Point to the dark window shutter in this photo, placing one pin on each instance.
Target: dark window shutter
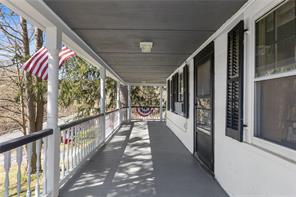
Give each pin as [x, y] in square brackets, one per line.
[235, 73]
[172, 94]
[186, 90]
[168, 95]
[176, 87]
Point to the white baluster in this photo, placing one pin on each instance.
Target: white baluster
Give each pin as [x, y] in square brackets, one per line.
[93, 134]
[37, 184]
[68, 149]
[86, 137]
[80, 143]
[71, 146]
[19, 159]
[75, 145]
[45, 140]
[7, 165]
[29, 169]
[63, 154]
[83, 139]
[89, 130]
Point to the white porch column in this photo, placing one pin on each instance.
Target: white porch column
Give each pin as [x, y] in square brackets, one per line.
[53, 44]
[129, 103]
[160, 104]
[118, 103]
[102, 99]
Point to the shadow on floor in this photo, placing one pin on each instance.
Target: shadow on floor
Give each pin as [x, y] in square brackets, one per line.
[144, 159]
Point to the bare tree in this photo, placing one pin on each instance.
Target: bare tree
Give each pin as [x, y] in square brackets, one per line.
[24, 98]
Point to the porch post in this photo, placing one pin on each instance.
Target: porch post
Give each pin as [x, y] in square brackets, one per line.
[160, 104]
[129, 103]
[102, 99]
[53, 44]
[118, 100]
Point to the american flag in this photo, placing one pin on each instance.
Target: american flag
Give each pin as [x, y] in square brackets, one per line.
[38, 63]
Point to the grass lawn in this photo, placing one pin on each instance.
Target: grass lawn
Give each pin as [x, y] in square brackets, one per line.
[13, 181]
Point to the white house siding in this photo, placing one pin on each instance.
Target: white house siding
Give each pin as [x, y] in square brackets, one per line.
[182, 127]
[242, 169]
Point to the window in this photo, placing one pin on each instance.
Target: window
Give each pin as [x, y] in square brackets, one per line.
[172, 108]
[234, 91]
[181, 88]
[275, 41]
[275, 96]
[186, 91]
[174, 91]
[168, 95]
[179, 99]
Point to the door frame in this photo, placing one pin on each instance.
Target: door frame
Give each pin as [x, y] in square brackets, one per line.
[208, 50]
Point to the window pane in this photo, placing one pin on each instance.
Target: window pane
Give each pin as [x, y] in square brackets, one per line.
[275, 41]
[285, 20]
[203, 78]
[203, 119]
[276, 110]
[286, 55]
[181, 87]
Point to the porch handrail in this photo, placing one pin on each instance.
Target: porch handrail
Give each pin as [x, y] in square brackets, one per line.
[13, 157]
[79, 121]
[23, 140]
[151, 106]
[109, 112]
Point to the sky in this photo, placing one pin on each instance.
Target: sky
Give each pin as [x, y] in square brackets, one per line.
[13, 20]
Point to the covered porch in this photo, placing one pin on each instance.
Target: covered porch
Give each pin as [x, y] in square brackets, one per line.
[90, 156]
[144, 158]
[182, 149]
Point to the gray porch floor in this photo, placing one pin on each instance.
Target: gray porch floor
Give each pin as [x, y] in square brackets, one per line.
[143, 159]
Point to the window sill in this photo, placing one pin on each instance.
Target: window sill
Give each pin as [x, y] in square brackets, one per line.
[179, 114]
[275, 149]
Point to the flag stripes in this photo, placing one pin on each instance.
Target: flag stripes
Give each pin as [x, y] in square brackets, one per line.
[38, 64]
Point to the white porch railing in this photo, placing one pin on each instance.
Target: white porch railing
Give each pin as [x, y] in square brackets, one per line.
[112, 122]
[16, 158]
[79, 139]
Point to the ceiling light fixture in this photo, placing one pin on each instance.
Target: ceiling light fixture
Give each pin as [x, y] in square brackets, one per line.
[146, 47]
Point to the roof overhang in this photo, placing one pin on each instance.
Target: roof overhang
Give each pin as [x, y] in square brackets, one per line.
[39, 14]
[108, 33]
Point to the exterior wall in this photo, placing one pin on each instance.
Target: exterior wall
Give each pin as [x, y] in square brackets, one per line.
[244, 169]
[182, 127]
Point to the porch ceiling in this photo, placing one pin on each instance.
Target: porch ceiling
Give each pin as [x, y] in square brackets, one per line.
[114, 29]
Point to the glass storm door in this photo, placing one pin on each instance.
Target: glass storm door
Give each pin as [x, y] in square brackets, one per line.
[203, 124]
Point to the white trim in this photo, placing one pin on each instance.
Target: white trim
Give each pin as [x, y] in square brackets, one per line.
[273, 148]
[160, 103]
[204, 131]
[174, 123]
[179, 69]
[268, 146]
[19, 7]
[276, 76]
[147, 84]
